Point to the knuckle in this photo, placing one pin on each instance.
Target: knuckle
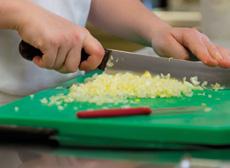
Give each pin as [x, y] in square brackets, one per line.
[71, 68]
[57, 66]
[209, 61]
[62, 39]
[190, 31]
[54, 42]
[205, 61]
[48, 61]
[48, 65]
[86, 31]
[40, 44]
[77, 36]
[194, 31]
[167, 38]
[99, 52]
[57, 41]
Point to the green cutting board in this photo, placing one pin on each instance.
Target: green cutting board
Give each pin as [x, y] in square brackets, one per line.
[198, 127]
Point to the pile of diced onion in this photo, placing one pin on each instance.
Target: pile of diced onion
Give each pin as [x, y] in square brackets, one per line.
[119, 87]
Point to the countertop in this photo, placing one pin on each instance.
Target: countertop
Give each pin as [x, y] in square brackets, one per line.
[37, 156]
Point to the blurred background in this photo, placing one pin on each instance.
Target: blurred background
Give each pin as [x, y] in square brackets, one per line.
[210, 16]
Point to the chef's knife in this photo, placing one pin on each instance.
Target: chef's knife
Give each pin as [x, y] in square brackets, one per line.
[176, 68]
[157, 65]
[29, 52]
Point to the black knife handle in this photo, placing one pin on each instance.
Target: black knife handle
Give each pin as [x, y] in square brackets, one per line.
[192, 57]
[29, 52]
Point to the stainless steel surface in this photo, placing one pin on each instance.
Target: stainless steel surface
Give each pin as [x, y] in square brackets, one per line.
[177, 68]
[203, 163]
[16, 155]
[29, 156]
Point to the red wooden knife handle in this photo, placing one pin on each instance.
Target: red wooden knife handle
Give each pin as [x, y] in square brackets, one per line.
[118, 112]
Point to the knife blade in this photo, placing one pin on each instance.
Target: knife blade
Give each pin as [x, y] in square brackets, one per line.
[127, 61]
[134, 111]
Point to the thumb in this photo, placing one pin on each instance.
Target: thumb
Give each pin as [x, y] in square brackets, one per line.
[95, 51]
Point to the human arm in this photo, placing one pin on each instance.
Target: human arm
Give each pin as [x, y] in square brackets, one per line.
[60, 40]
[131, 20]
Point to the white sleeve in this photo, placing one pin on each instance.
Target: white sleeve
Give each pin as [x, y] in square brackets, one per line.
[74, 10]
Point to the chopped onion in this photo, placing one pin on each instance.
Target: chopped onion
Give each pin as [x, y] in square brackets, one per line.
[115, 88]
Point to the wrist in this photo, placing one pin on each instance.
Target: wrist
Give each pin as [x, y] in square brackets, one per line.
[24, 9]
[158, 29]
[154, 27]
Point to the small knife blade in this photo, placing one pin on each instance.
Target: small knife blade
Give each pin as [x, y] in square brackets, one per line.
[134, 111]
